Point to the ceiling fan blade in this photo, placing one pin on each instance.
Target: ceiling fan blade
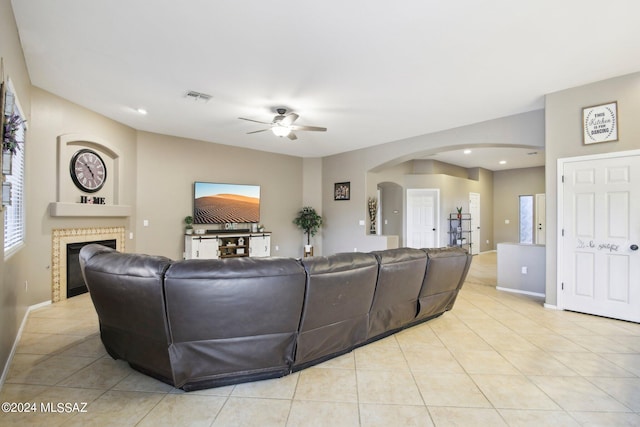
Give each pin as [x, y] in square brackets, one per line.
[255, 121]
[289, 119]
[292, 136]
[256, 131]
[313, 128]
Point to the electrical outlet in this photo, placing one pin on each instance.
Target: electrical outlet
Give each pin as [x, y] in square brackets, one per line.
[277, 248]
[26, 286]
[524, 269]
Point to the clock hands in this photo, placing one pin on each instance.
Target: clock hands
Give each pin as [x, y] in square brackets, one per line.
[90, 171]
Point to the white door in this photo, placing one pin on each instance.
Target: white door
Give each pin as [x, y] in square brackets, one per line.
[601, 224]
[540, 219]
[474, 213]
[422, 218]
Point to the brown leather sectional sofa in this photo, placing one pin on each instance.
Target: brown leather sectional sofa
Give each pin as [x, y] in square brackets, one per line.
[205, 323]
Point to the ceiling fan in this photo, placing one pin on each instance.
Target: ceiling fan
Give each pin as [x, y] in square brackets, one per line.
[282, 125]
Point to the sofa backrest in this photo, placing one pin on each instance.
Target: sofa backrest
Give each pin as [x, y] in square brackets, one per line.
[339, 294]
[447, 269]
[400, 276]
[238, 315]
[127, 293]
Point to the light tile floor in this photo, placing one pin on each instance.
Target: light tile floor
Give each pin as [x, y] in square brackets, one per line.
[495, 359]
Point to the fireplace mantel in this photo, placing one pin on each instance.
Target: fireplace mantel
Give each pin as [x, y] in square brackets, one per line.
[62, 209]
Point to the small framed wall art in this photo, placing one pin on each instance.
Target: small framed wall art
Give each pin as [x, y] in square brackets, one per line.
[600, 123]
[342, 191]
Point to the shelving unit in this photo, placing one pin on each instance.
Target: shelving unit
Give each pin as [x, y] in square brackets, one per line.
[234, 246]
[227, 245]
[460, 230]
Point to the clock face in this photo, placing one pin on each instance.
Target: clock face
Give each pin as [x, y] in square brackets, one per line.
[88, 170]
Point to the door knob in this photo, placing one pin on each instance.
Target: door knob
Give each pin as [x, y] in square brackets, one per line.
[634, 247]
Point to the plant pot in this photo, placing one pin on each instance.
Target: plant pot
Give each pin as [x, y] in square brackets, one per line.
[189, 231]
[307, 248]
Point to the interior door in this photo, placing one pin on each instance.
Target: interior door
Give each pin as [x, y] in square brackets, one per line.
[422, 218]
[601, 225]
[474, 213]
[540, 219]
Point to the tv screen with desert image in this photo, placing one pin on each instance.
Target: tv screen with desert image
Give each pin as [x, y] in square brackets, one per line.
[216, 203]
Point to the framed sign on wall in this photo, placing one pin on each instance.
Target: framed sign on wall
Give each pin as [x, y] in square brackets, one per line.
[600, 123]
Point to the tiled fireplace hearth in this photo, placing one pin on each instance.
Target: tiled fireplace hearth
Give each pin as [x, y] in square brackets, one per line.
[61, 238]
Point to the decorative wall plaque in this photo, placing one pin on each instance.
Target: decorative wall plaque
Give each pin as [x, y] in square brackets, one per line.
[600, 123]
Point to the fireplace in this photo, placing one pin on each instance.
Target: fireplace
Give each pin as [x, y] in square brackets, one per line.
[61, 239]
[75, 281]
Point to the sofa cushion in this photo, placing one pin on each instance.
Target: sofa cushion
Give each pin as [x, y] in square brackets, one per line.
[400, 278]
[447, 269]
[233, 319]
[127, 293]
[335, 317]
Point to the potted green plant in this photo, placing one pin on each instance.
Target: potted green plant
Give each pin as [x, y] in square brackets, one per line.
[188, 220]
[309, 221]
[459, 209]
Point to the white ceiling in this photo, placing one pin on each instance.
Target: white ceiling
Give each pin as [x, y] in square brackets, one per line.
[370, 71]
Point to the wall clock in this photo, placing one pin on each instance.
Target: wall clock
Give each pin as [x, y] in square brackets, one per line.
[88, 170]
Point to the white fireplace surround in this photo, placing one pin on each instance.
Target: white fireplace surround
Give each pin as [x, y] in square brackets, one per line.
[61, 238]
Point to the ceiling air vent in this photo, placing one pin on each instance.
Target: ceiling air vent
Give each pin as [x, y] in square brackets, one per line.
[198, 96]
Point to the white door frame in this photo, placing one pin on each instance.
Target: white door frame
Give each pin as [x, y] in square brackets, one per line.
[560, 210]
[437, 214]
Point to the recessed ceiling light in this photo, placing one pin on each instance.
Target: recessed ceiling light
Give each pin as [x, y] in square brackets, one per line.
[467, 151]
[142, 111]
[503, 162]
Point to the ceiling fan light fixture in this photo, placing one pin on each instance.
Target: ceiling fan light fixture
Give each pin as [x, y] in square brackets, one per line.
[280, 130]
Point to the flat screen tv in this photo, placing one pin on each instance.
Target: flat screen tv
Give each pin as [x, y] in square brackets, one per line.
[216, 203]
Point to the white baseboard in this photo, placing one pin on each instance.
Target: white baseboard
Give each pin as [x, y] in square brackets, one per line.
[518, 291]
[551, 306]
[7, 365]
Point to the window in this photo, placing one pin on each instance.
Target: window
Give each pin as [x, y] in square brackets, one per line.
[14, 214]
[526, 219]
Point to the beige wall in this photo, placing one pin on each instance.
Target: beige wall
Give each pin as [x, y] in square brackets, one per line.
[167, 167]
[312, 195]
[53, 116]
[563, 116]
[508, 186]
[342, 231]
[13, 271]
